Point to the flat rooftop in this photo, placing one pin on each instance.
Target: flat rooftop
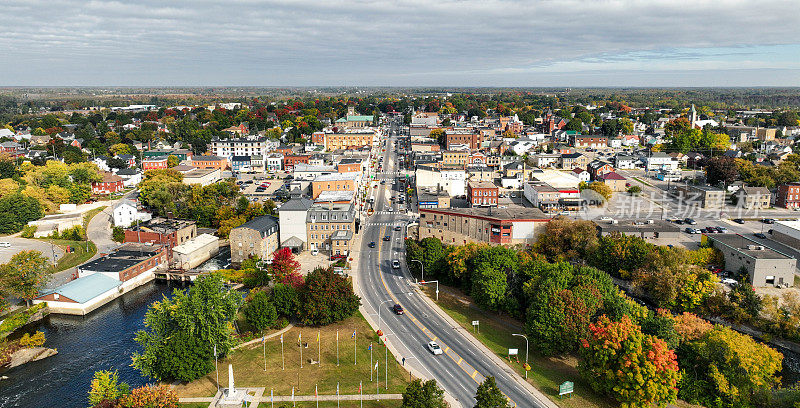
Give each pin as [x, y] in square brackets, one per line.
[336, 177]
[121, 259]
[194, 244]
[161, 225]
[741, 243]
[513, 212]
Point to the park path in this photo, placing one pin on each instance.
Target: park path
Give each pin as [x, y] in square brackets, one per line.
[267, 337]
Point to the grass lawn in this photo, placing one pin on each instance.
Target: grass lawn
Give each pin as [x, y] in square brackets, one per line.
[90, 214]
[642, 181]
[82, 251]
[248, 364]
[546, 372]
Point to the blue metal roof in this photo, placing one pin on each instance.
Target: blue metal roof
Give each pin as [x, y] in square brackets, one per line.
[87, 288]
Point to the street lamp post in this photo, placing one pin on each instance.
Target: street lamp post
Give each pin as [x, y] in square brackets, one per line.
[526, 351]
[421, 267]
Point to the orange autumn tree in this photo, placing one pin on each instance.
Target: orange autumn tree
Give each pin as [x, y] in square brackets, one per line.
[637, 369]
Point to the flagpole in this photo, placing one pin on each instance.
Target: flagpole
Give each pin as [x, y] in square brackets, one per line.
[293, 403]
[271, 398]
[216, 367]
[316, 395]
[300, 339]
[264, 344]
[377, 388]
[355, 356]
[337, 394]
[361, 393]
[386, 365]
[370, 361]
[319, 351]
[283, 360]
[337, 348]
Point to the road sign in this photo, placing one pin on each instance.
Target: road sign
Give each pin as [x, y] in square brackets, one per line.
[475, 322]
[513, 352]
[567, 387]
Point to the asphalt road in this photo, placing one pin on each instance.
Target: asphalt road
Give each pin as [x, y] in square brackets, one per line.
[462, 366]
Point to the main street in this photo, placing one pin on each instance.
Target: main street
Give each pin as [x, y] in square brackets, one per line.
[463, 365]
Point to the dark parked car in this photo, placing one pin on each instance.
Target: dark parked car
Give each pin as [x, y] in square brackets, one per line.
[738, 220]
[760, 235]
[398, 310]
[397, 228]
[387, 238]
[371, 244]
[768, 220]
[679, 222]
[690, 221]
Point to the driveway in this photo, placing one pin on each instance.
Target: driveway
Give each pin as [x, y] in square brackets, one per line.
[99, 230]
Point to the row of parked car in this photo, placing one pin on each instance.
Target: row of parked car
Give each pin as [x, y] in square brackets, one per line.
[706, 230]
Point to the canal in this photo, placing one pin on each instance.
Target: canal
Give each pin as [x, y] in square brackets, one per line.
[103, 340]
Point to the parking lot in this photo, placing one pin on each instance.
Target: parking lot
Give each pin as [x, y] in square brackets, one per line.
[22, 244]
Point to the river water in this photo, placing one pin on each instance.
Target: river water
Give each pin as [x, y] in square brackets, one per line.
[103, 340]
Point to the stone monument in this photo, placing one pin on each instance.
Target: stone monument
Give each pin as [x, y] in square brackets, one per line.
[231, 397]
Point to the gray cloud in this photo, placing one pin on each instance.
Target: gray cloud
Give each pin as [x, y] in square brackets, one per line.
[381, 42]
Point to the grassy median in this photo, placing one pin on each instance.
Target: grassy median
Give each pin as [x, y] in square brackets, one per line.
[248, 364]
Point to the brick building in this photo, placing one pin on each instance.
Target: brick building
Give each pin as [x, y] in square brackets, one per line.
[257, 238]
[162, 231]
[111, 183]
[506, 226]
[482, 193]
[788, 196]
[154, 163]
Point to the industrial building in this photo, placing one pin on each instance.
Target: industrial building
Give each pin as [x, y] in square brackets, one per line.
[195, 251]
[765, 266]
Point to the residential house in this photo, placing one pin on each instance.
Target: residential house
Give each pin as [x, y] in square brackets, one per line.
[753, 198]
[613, 180]
[131, 177]
[624, 162]
[597, 168]
[109, 184]
[570, 161]
[582, 174]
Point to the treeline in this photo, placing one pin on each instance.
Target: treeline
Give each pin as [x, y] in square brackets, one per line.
[562, 289]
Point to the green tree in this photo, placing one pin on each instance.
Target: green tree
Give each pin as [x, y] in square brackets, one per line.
[259, 311]
[636, 369]
[619, 252]
[182, 332]
[492, 265]
[16, 210]
[118, 234]
[26, 274]
[423, 395]
[106, 387]
[440, 136]
[173, 161]
[326, 298]
[489, 395]
[601, 188]
[284, 297]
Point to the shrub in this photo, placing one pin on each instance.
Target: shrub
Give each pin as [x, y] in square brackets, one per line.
[326, 298]
[28, 341]
[150, 396]
[118, 234]
[28, 231]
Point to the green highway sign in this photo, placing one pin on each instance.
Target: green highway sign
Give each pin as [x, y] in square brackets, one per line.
[566, 387]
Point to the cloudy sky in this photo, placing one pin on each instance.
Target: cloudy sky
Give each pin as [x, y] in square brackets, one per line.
[400, 42]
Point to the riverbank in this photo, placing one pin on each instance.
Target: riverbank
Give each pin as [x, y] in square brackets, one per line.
[103, 340]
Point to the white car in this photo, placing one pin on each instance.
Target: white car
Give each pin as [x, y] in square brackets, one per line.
[395, 264]
[390, 209]
[606, 218]
[730, 282]
[434, 348]
[314, 252]
[5, 245]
